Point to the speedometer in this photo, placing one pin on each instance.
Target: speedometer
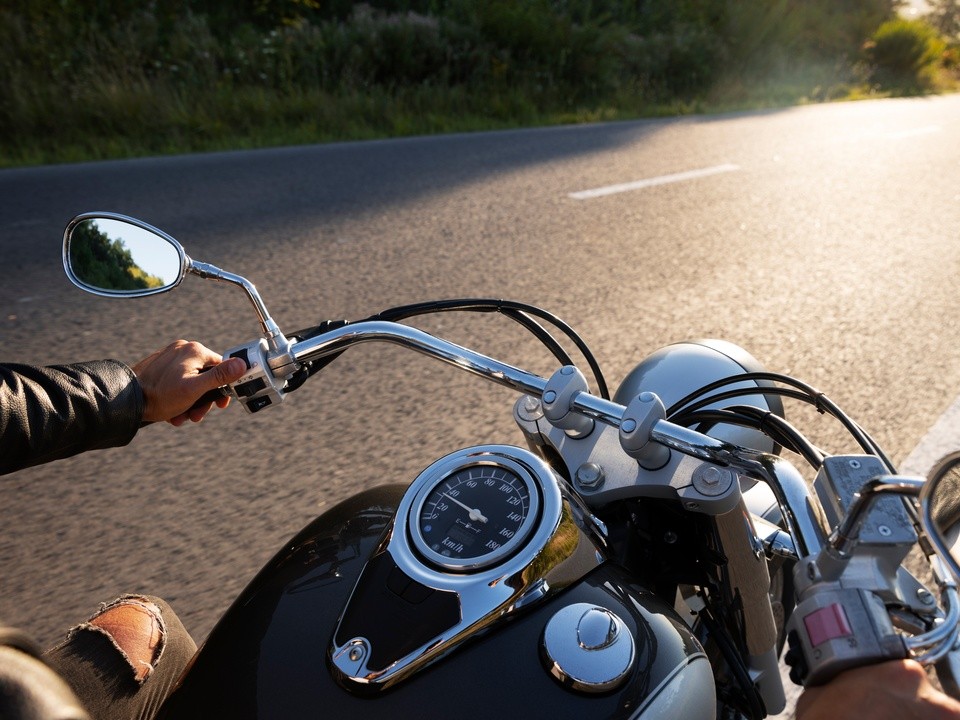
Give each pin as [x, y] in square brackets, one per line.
[473, 516]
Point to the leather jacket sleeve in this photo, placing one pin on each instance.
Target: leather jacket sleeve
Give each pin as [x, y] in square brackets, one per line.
[48, 413]
[29, 688]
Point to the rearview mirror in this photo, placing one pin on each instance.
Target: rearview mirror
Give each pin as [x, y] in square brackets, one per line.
[114, 255]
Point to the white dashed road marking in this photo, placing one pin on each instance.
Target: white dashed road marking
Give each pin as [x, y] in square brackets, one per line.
[651, 182]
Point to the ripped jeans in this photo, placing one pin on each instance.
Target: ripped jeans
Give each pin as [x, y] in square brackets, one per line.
[124, 661]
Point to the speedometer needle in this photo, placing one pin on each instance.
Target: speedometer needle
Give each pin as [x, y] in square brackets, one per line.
[475, 514]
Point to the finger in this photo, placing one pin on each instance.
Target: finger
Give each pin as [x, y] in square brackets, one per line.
[204, 356]
[216, 376]
[198, 413]
[226, 372]
[223, 402]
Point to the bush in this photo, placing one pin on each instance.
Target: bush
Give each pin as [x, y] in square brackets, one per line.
[102, 78]
[904, 54]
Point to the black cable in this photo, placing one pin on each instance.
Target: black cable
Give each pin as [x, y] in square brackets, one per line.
[764, 417]
[770, 424]
[514, 310]
[808, 394]
[755, 709]
[738, 392]
[542, 334]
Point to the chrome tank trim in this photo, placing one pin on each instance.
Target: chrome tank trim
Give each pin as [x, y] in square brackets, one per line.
[559, 551]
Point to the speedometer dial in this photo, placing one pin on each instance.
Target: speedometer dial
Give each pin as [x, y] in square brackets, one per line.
[475, 516]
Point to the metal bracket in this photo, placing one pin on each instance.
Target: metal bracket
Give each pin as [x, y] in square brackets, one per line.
[641, 415]
[562, 388]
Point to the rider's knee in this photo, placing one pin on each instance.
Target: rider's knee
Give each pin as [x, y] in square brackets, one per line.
[135, 626]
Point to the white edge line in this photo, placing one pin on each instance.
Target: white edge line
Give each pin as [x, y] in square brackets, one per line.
[913, 133]
[651, 182]
[942, 438]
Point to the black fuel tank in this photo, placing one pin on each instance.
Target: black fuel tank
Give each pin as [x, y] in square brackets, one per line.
[267, 657]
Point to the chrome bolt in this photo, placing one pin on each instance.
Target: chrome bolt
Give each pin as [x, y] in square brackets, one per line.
[670, 537]
[711, 476]
[549, 396]
[884, 530]
[628, 426]
[529, 409]
[711, 481]
[566, 370]
[925, 596]
[355, 654]
[590, 476]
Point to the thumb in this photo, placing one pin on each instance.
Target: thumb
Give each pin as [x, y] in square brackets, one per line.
[226, 372]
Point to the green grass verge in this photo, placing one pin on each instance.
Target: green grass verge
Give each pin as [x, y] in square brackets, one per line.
[150, 121]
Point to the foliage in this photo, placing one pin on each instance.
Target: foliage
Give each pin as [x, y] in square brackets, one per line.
[945, 17]
[104, 263]
[100, 78]
[905, 53]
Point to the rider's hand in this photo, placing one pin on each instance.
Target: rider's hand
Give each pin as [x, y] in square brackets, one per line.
[898, 690]
[172, 381]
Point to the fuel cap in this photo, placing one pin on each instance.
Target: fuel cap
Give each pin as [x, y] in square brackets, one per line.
[588, 648]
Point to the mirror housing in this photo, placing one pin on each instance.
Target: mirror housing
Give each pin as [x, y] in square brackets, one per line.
[114, 255]
[118, 256]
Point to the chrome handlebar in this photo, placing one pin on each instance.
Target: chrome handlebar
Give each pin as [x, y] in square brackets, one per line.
[803, 514]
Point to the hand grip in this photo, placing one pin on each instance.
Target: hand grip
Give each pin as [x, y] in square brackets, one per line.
[211, 396]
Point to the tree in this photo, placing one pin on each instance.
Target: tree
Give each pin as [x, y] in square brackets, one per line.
[945, 17]
[104, 263]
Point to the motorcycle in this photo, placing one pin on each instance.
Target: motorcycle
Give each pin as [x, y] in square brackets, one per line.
[645, 555]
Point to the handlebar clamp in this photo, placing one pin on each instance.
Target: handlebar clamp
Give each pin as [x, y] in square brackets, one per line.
[558, 395]
[641, 414]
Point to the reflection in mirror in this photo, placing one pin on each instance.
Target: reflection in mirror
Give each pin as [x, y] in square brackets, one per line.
[944, 498]
[117, 257]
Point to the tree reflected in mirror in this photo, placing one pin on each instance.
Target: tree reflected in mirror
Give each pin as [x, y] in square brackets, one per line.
[946, 500]
[943, 498]
[113, 256]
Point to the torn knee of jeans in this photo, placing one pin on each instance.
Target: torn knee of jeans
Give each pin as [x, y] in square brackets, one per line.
[134, 625]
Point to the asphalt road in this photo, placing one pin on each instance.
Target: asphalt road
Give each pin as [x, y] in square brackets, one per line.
[824, 239]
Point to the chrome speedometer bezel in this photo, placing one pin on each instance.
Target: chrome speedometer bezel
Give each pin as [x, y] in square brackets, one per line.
[439, 473]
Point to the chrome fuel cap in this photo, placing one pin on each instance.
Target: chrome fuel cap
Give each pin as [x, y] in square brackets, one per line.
[588, 648]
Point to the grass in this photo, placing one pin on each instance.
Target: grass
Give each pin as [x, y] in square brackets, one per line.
[78, 85]
[151, 121]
